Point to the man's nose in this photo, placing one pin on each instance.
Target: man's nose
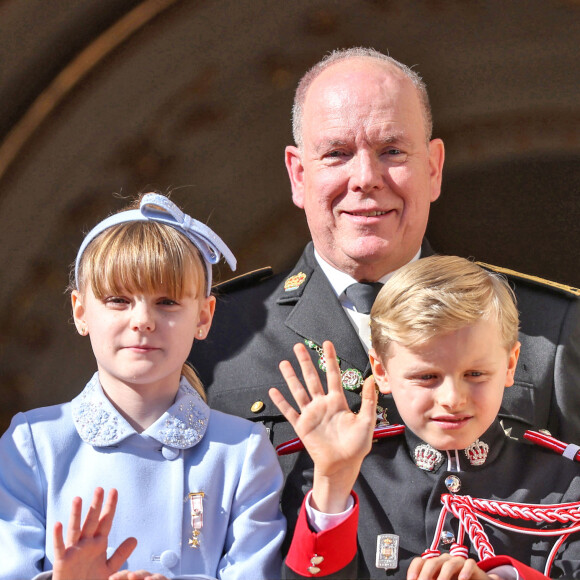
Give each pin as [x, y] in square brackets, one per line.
[367, 172]
[142, 317]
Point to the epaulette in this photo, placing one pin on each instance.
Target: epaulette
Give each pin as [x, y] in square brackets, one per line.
[243, 280]
[564, 288]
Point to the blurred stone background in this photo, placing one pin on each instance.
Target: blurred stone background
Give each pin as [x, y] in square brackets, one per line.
[103, 97]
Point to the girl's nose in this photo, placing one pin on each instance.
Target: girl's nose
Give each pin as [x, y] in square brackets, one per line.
[142, 318]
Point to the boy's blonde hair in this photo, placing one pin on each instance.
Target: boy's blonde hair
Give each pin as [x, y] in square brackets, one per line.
[143, 257]
[438, 295]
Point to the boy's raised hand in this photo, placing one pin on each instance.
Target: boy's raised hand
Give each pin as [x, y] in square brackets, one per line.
[84, 556]
[336, 438]
[447, 567]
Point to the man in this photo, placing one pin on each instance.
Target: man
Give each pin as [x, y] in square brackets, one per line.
[365, 170]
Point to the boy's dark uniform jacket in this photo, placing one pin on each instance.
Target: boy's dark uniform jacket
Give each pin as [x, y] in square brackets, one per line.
[258, 321]
[397, 497]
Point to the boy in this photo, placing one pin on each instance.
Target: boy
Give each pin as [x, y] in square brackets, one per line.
[444, 336]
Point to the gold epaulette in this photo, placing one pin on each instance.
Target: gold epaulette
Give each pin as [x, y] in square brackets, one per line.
[243, 280]
[534, 279]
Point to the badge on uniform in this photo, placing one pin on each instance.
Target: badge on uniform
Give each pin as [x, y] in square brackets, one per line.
[387, 551]
[294, 282]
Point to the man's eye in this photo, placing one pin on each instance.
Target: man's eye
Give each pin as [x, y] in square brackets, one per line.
[335, 154]
[394, 152]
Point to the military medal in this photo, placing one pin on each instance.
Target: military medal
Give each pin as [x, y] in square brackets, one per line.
[196, 502]
[351, 379]
[387, 551]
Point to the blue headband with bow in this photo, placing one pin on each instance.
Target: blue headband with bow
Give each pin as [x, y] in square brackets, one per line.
[158, 208]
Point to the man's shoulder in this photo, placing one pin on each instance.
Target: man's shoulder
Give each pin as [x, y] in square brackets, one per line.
[264, 281]
[534, 283]
[245, 281]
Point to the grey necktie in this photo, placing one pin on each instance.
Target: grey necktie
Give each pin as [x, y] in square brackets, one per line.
[363, 294]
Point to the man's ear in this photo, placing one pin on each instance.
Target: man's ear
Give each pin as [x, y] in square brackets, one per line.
[293, 158]
[436, 159]
[379, 372]
[512, 363]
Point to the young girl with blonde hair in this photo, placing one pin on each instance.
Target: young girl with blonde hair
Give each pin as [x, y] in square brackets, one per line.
[198, 489]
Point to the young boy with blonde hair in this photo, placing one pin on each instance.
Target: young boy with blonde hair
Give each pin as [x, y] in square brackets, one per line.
[451, 485]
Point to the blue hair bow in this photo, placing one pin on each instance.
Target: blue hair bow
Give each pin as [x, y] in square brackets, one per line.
[158, 208]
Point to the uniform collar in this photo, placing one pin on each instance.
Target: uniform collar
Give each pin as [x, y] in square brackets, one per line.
[457, 460]
[99, 424]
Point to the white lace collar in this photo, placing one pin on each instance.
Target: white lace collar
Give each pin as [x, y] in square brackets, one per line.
[99, 424]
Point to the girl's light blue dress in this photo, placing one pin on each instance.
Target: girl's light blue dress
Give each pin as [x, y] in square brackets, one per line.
[52, 454]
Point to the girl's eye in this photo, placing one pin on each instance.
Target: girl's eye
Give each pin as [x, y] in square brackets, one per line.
[116, 300]
[167, 302]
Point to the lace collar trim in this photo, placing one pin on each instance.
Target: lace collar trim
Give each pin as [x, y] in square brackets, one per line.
[99, 424]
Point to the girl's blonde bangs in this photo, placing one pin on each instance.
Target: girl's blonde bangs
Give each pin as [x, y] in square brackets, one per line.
[141, 257]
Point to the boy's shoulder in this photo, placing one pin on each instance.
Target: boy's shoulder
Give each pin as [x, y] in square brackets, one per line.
[521, 279]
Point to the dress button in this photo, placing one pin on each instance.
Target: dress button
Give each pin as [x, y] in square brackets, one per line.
[453, 483]
[169, 559]
[257, 407]
[170, 453]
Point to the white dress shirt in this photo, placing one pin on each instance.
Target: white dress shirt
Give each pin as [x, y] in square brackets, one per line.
[340, 282]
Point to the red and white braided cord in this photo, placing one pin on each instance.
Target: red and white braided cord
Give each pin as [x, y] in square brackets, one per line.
[468, 509]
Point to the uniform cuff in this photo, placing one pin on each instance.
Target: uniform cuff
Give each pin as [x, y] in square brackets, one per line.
[315, 554]
[319, 521]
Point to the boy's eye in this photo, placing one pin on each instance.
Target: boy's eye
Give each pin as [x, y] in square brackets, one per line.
[424, 378]
[475, 373]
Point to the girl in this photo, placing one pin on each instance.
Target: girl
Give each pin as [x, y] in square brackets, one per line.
[199, 489]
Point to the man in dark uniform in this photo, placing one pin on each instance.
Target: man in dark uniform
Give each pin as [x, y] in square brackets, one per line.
[365, 170]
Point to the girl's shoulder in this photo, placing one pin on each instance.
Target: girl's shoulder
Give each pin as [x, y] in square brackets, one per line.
[43, 418]
[237, 436]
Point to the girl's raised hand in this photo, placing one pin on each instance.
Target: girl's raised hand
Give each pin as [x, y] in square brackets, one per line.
[336, 438]
[84, 556]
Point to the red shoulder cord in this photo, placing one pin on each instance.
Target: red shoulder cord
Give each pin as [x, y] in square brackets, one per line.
[380, 432]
